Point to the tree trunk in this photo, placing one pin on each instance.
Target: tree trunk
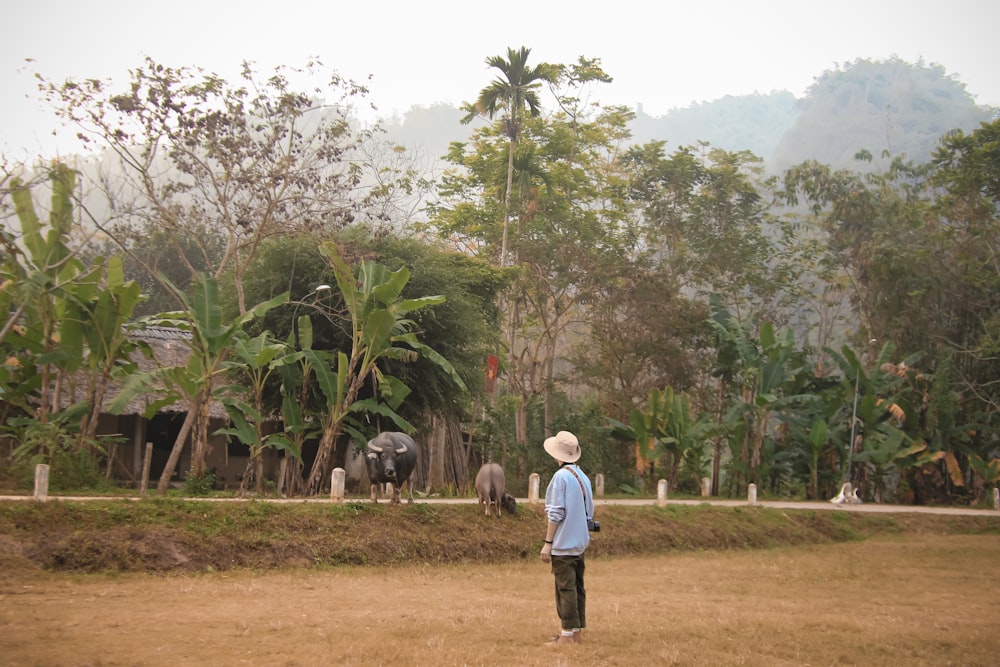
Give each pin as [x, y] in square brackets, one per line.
[293, 476]
[199, 445]
[437, 444]
[318, 472]
[717, 441]
[506, 202]
[521, 434]
[248, 474]
[258, 463]
[175, 454]
[458, 458]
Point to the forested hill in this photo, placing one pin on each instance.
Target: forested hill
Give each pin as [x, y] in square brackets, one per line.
[890, 106]
[747, 122]
[879, 106]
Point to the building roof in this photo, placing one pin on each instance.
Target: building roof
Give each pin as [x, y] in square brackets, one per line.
[170, 348]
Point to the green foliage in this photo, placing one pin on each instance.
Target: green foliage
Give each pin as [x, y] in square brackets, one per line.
[463, 328]
[614, 252]
[663, 430]
[65, 337]
[211, 339]
[380, 329]
[199, 485]
[56, 443]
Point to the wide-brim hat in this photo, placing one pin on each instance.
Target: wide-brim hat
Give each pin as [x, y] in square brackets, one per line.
[563, 446]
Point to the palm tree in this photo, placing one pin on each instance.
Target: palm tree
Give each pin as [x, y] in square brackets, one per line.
[511, 93]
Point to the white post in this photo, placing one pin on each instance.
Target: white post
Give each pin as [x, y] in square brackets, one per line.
[996, 498]
[706, 487]
[533, 482]
[282, 469]
[337, 478]
[42, 482]
[752, 494]
[599, 481]
[661, 492]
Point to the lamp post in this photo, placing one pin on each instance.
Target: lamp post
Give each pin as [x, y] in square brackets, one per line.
[854, 415]
[295, 313]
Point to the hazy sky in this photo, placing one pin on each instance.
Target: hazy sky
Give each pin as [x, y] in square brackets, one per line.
[662, 54]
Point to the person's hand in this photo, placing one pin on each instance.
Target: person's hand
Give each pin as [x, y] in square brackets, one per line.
[546, 553]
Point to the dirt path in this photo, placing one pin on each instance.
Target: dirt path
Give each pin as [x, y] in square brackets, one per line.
[914, 600]
[778, 504]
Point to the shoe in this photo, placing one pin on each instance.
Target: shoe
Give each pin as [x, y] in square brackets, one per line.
[561, 640]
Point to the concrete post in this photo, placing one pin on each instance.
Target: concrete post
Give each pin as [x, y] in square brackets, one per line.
[42, 482]
[282, 470]
[752, 494]
[337, 479]
[706, 487]
[996, 498]
[533, 482]
[661, 492]
[147, 463]
[599, 484]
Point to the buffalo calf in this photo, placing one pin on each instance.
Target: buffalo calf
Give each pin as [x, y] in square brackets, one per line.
[491, 488]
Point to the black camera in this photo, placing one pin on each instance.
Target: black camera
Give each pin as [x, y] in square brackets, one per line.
[593, 526]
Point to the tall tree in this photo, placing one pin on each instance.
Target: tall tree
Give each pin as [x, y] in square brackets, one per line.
[571, 230]
[513, 93]
[966, 248]
[215, 167]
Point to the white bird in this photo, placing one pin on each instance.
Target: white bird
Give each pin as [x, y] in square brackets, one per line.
[853, 498]
[840, 497]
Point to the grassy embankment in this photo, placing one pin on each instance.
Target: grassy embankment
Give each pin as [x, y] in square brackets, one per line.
[166, 535]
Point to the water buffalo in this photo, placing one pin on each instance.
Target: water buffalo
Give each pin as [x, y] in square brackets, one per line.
[491, 487]
[355, 469]
[391, 458]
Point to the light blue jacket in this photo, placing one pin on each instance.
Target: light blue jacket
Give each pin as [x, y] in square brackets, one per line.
[570, 507]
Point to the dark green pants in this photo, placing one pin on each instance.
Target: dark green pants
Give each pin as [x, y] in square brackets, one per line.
[571, 597]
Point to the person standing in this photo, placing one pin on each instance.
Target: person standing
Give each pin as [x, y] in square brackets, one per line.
[569, 507]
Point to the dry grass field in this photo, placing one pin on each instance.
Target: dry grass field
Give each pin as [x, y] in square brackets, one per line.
[907, 599]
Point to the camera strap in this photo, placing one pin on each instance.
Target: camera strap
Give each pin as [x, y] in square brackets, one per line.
[590, 514]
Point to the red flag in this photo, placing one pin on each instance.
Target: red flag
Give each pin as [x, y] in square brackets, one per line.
[492, 366]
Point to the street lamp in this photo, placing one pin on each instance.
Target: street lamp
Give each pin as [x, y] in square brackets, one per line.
[854, 415]
[295, 313]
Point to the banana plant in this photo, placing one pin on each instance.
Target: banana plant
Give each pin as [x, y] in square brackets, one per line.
[686, 438]
[819, 438]
[196, 382]
[760, 369]
[870, 412]
[986, 471]
[254, 360]
[664, 428]
[295, 371]
[647, 427]
[39, 272]
[380, 329]
[67, 323]
[881, 452]
[95, 328]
